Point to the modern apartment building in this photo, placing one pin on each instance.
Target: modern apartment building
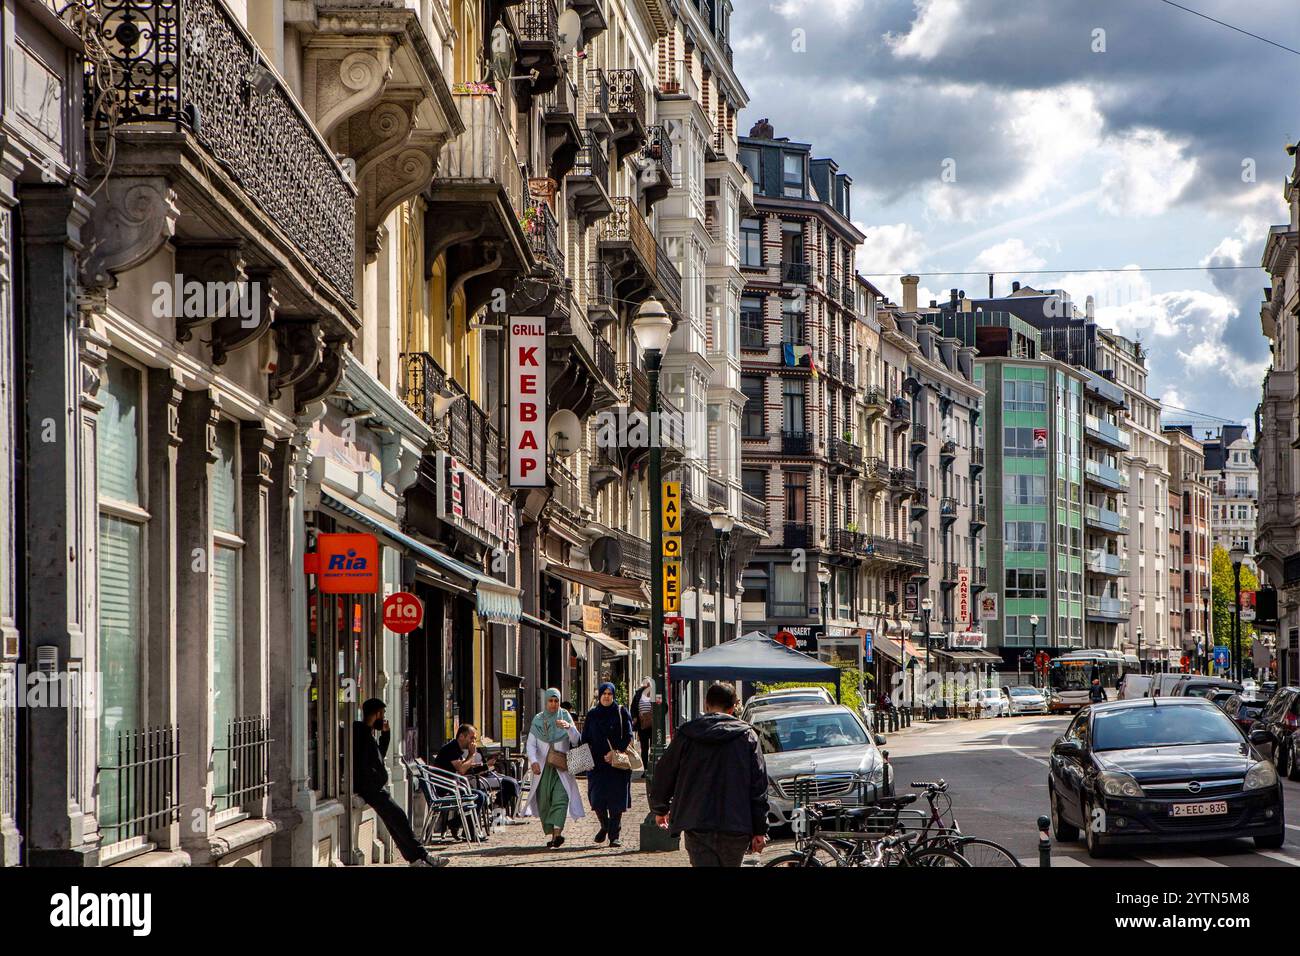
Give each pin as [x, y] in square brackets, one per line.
[1277, 542]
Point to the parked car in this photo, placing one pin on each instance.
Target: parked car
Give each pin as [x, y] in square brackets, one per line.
[1243, 710]
[828, 748]
[1198, 685]
[1163, 685]
[1135, 686]
[1164, 770]
[989, 702]
[788, 695]
[1277, 725]
[1024, 699]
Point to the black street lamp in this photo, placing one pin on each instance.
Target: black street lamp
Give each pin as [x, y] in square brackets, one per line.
[1141, 664]
[652, 327]
[723, 524]
[926, 607]
[1237, 555]
[1207, 637]
[1033, 637]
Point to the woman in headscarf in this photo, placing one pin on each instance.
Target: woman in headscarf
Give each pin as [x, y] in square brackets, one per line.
[608, 728]
[554, 797]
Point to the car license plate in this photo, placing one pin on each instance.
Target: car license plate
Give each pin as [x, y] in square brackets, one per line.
[1214, 808]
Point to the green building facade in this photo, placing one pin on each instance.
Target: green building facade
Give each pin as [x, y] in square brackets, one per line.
[1033, 439]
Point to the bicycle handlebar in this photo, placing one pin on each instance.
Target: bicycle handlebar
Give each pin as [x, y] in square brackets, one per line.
[938, 785]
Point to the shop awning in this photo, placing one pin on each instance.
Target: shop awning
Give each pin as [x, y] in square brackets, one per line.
[631, 589]
[546, 627]
[888, 646]
[497, 601]
[617, 647]
[970, 656]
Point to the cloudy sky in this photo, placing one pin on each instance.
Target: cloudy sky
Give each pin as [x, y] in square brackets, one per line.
[1075, 134]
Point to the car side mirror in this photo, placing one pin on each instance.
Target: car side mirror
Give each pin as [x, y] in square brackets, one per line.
[880, 740]
[1064, 747]
[1260, 736]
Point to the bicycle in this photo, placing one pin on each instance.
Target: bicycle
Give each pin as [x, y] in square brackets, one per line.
[935, 832]
[815, 847]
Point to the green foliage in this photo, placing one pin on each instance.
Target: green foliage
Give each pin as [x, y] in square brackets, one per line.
[1223, 595]
[849, 677]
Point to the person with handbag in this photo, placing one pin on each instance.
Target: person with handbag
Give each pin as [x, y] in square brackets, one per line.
[643, 714]
[552, 740]
[608, 732]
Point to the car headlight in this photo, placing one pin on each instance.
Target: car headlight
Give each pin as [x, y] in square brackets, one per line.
[1259, 776]
[1119, 785]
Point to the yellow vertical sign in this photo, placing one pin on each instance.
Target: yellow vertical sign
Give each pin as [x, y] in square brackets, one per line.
[672, 507]
[672, 587]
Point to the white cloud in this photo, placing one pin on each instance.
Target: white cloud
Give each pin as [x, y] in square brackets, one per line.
[892, 250]
[1009, 255]
[1147, 174]
[936, 22]
[839, 10]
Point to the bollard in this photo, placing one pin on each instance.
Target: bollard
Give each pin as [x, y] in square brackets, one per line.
[1044, 842]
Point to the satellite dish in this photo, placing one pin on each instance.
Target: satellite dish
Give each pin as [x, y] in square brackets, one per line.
[570, 31]
[563, 433]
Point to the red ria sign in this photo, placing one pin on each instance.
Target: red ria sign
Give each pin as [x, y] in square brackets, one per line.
[528, 402]
[403, 612]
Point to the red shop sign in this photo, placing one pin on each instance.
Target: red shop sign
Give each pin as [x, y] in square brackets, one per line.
[403, 612]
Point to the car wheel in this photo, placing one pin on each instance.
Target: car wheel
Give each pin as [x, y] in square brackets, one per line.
[1095, 849]
[1271, 842]
[1062, 831]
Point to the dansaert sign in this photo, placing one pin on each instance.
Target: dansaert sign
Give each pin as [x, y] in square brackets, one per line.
[528, 402]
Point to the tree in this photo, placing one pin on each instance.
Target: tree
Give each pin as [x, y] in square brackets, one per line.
[1223, 593]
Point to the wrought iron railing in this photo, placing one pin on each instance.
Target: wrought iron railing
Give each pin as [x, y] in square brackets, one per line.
[245, 760]
[796, 442]
[795, 273]
[423, 380]
[900, 413]
[948, 508]
[626, 224]
[903, 479]
[566, 491]
[849, 370]
[717, 493]
[977, 456]
[978, 515]
[139, 792]
[626, 93]
[191, 63]
[543, 233]
[920, 434]
[874, 396]
[597, 91]
[592, 159]
[875, 469]
[633, 386]
[600, 286]
[668, 278]
[636, 555]
[847, 541]
[797, 534]
[659, 148]
[474, 439]
[949, 572]
[948, 449]
[539, 22]
[754, 510]
[606, 361]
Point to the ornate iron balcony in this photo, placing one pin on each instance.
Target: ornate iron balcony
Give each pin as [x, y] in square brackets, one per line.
[543, 233]
[626, 94]
[191, 63]
[423, 381]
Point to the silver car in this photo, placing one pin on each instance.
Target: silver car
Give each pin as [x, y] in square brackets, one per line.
[780, 698]
[1023, 699]
[828, 747]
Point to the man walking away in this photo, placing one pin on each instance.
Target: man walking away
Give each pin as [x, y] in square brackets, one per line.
[711, 784]
[1096, 693]
[370, 782]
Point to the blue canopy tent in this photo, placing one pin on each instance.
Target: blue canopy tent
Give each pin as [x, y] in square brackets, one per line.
[754, 657]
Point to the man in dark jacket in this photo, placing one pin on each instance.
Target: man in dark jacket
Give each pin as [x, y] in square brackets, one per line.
[1096, 693]
[711, 784]
[370, 782]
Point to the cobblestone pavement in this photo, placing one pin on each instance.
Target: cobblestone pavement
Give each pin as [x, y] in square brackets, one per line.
[524, 844]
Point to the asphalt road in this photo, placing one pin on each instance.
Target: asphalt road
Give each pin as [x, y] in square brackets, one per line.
[997, 775]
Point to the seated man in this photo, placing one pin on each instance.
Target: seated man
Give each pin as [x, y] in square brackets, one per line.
[462, 756]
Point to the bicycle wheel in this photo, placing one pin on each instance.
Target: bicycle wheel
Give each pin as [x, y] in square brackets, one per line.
[935, 856]
[818, 855]
[985, 853]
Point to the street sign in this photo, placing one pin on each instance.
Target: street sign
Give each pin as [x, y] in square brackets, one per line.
[672, 547]
[403, 612]
[672, 587]
[963, 595]
[866, 648]
[1221, 656]
[672, 507]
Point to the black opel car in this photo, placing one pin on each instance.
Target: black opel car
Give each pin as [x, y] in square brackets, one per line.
[1161, 770]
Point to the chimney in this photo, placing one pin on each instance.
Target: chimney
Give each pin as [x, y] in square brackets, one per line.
[1015, 286]
[1090, 307]
[952, 299]
[762, 130]
[909, 292]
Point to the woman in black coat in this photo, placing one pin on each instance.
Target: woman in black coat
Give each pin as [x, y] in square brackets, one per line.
[609, 790]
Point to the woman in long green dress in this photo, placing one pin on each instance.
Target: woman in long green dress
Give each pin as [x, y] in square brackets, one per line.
[554, 797]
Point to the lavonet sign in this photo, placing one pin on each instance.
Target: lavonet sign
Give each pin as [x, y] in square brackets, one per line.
[527, 402]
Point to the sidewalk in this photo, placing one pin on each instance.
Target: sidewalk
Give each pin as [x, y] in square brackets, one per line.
[524, 843]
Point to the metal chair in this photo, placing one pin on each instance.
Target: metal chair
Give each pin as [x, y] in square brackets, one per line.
[454, 785]
[440, 799]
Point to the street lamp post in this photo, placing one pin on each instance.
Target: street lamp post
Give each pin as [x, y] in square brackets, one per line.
[722, 523]
[1141, 666]
[1237, 555]
[926, 607]
[1207, 636]
[1033, 638]
[652, 327]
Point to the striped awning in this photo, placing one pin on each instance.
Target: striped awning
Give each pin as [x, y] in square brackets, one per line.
[497, 602]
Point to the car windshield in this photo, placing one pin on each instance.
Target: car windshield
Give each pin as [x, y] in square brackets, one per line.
[1169, 726]
[1022, 692]
[809, 732]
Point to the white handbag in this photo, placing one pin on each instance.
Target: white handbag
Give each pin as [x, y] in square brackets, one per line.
[579, 759]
